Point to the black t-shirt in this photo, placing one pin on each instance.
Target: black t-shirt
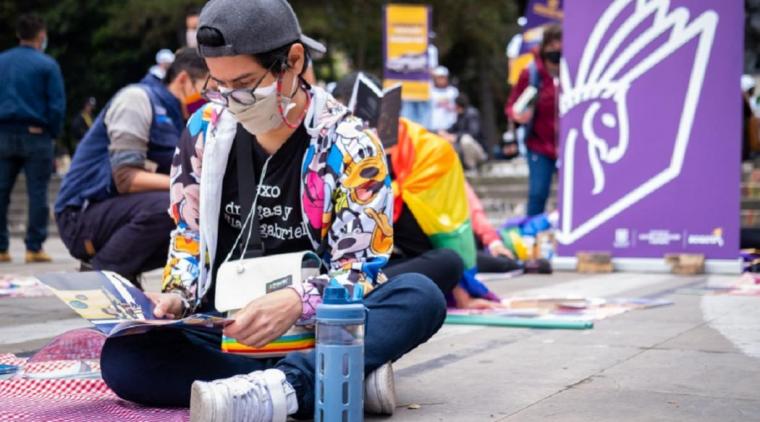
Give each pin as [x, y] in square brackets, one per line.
[278, 207]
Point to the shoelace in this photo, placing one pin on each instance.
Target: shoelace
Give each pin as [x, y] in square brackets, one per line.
[247, 398]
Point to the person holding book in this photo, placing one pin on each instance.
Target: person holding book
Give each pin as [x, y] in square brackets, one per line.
[319, 182]
[111, 208]
[540, 120]
[429, 189]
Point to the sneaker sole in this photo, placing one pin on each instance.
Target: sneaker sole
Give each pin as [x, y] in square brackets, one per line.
[201, 403]
[375, 401]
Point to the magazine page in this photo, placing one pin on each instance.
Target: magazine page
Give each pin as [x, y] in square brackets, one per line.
[114, 305]
[103, 298]
[196, 321]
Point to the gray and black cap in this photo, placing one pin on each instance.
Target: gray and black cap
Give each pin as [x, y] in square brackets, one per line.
[252, 27]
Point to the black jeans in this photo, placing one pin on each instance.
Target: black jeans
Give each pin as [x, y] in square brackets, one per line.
[443, 266]
[33, 154]
[158, 368]
[488, 263]
[127, 234]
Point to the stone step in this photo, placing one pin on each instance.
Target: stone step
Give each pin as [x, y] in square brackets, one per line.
[18, 209]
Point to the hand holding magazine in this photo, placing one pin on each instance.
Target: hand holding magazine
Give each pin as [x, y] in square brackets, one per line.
[114, 305]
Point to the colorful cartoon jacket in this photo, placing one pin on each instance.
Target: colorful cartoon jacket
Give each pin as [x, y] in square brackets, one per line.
[346, 194]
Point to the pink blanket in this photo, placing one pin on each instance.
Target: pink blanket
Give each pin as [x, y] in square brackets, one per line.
[69, 400]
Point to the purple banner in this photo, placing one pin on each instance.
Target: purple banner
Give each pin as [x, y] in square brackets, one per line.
[651, 127]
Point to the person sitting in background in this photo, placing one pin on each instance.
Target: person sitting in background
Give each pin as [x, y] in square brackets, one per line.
[433, 235]
[499, 258]
[465, 134]
[111, 209]
[32, 108]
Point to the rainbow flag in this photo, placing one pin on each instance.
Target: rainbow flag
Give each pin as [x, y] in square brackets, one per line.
[429, 179]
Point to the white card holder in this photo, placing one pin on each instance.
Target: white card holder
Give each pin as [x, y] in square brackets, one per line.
[241, 281]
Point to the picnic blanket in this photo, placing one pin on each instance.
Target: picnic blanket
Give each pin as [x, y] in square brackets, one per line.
[73, 400]
[69, 390]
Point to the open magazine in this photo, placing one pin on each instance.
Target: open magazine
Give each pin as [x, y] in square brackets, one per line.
[114, 305]
[379, 108]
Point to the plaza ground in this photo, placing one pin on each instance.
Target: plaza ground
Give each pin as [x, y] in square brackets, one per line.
[696, 360]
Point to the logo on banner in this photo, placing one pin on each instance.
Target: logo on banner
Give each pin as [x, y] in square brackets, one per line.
[660, 237]
[622, 238]
[630, 41]
[713, 239]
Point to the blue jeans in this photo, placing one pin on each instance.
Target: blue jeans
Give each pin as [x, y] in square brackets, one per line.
[417, 111]
[33, 154]
[540, 172]
[157, 368]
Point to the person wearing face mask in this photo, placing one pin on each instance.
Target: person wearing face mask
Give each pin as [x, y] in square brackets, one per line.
[111, 209]
[540, 118]
[188, 38]
[32, 107]
[321, 183]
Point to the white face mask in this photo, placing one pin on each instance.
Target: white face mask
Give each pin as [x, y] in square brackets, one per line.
[264, 115]
[190, 38]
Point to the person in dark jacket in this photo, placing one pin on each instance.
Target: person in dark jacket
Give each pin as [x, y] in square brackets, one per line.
[465, 134]
[111, 209]
[541, 117]
[82, 122]
[32, 106]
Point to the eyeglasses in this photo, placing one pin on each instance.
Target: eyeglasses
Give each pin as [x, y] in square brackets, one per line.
[242, 96]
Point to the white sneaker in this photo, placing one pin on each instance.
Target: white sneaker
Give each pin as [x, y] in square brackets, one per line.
[261, 396]
[380, 391]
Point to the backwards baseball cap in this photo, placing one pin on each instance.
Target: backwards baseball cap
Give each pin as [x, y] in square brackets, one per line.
[252, 27]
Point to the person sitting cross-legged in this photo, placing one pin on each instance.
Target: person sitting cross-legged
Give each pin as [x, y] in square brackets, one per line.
[267, 131]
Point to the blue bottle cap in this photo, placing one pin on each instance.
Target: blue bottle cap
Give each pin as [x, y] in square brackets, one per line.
[336, 304]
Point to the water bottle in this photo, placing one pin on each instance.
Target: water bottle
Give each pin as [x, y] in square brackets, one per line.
[339, 362]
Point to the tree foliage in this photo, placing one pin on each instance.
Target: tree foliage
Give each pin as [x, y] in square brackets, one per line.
[103, 45]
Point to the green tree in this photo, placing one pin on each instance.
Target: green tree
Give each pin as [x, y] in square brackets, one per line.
[471, 39]
[103, 45]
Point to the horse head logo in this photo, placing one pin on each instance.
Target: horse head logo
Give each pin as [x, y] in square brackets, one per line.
[629, 40]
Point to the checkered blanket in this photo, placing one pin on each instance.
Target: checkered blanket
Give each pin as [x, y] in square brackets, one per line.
[69, 400]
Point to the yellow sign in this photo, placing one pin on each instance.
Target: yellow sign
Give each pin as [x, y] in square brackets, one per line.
[406, 45]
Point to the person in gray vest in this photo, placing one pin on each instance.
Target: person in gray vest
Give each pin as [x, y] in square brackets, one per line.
[112, 207]
[32, 106]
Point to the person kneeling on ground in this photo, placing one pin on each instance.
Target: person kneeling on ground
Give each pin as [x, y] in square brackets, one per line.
[465, 134]
[111, 209]
[498, 258]
[302, 151]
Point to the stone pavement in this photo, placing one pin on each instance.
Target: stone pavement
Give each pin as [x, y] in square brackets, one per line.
[696, 360]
